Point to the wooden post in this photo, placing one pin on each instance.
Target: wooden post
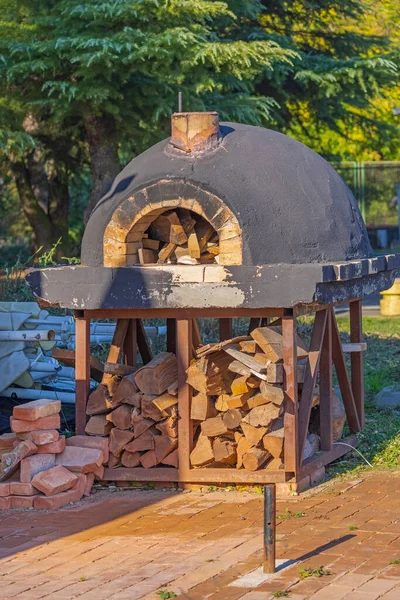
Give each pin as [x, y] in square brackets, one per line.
[269, 528]
[184, 329]
[225, 329]
[171, 335]
[82, 370]
[291, 458]
[143, 342]
[325, 387]
[357, 359]
[130, 344]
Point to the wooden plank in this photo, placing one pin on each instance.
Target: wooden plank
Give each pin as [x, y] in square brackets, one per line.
[291, 455]
[139, 474]
[225, 329]
[82, 371]
[184, 313]
[67, 357]
[325, 388]
[354, 346]
[246, 359]
[324, 458]
[209, 475]
[184, 328]
[130, 344]
[343, 379]
[357, 359]
[118, 340]
[310, 377]
[171, 335]
[143, 342]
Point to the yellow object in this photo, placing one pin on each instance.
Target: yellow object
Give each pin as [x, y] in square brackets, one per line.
[390, 302]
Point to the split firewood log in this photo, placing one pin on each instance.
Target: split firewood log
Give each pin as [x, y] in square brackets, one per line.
[165, 253]
[147, 256]
[113, 461]
[98, 425]
[121, 416]
[118, 440]
[274, 442]
[172, 460]
[186, 219]
[221, 403]
[202, 454]
[243, 446]
[255, 458]
[135, 400]
[151, 244]
[275, 464]
[210, 375]
[262, 415]
[204, 232]
[256, 400]
[168, 427]
[214, 427]
[141, 443]
[127, 389]
[240, 400]
[202, 408]
[164, 445]
[111, 382]
[158, 374]
[272, 393]
[173, 389]
[139, 424]
[271, 343]
[165, 401]
[232, 418]
[240, 369]
[245, 359]
[217, 346]
[118, 369]
[148, 409]
[148, 459]
[193, 245]
[99, 401]
[275, 373]
[130, 459]
[249, 346]
[224, 451]
[239, 385]
[168, 228]
[253, 434]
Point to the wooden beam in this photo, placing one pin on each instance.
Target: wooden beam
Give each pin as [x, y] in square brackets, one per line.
[130, 344]
[325, 388]
[357, 359]
[196, 475]
[118, 340]
[196, 337]
[82, 371]
[184, 313]
[310, 377]
[324, 458]
[343, 379]
[184, 329]
[225, 329]
[143, 342]
[291, 457]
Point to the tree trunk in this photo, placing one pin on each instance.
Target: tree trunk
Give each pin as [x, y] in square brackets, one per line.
[101, 136]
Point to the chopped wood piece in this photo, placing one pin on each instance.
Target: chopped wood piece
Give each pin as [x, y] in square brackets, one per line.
[216, 346]
[256, 400]
[147, 256]
[204, 232]
[275, 373]
[126, 390]
[98, 425]
[173, 388]
[151, 244]
[253, 382]
[168, 228]
[130, 459]
[143, 442]
[203, 407]
[158, 374]
[135, 400]
[202, 454]
[270, 341]
[221, 403]
[253, 434]
[164, 446]
[255, 458]
[262, 359]
[239, 400]
[139, 424]
[275, 464]
[274, 441]
[99, 401]
[118, 440]
[121, 417]
[212, 248]
[165, 401]
[224, 451]
[118, 369]
[210, 375]
[214, 426]
[113, 461]
[239, 385]
[182, 251]
[237, 435]
[232, 418]
[249, 346]
[246, 359]
[168, 427]
[149, 409]
[272, 393]
[149, 459]
[262, 415]
[165, 253]
[172, 460]
[193, 245]
[243, 446]
[186, 219]
[240, 369]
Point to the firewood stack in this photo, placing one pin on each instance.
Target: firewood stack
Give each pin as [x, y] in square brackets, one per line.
[239, 401]
[139, 412]
[178, 236]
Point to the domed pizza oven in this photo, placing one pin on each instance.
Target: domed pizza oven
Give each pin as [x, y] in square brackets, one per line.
[224, 220]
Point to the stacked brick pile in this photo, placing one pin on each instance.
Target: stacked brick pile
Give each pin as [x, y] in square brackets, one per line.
[39, 468]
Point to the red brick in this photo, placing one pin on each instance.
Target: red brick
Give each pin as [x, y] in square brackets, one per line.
[22, 489]
[53, 447]
[5, 502]
[31, 411]
[55, 480]
[23, 501]
[5, 489]
[6, 441]
[45, 436]
[10, 461]
[85, 441]
[84, 460]
[34, 464]
[89, 484]
[19, 426]
[64, 498]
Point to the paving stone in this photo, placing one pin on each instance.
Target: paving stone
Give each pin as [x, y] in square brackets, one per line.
[34, 464]
[31, 411]
[86, 441]
[63, 498]
[22, 489]
[40, 437]
[85, 460]
[54, 480]
[10, 461]
[23, 501]
[22, 426]
[5, 502]
[53, 447]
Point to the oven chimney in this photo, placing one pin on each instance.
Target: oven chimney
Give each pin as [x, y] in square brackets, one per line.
[195, 132]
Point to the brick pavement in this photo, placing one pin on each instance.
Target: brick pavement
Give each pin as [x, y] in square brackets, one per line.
[128, 545]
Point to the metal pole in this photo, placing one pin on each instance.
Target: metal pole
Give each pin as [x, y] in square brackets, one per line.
[269, 528]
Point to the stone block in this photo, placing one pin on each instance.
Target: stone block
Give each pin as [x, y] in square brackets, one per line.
[84, 460]
[388, 397]
[5, 489]
[84, 441]
[5, 502]
[22, 426]
[10, 461]
[46, 436]
[54, 480]
[22, 489]
[89, 484]
[31, 411]
[7, 440]
[63, 498]
[32, 465]
[53, 447]
[23, 501]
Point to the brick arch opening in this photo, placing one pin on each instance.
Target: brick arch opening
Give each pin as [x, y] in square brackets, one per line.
[131, 236]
